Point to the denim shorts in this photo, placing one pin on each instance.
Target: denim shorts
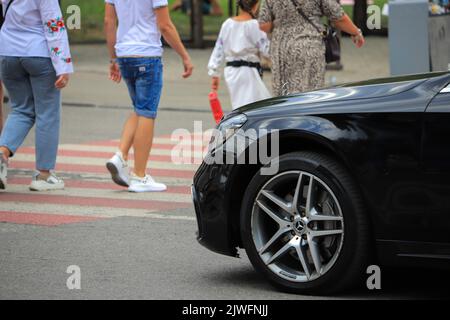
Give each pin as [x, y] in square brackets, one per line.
[144, 79]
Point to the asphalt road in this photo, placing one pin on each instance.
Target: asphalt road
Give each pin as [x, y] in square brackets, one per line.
[141, 258]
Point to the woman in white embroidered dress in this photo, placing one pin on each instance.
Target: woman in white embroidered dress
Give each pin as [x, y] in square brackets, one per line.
[35, 64]
[241, 43]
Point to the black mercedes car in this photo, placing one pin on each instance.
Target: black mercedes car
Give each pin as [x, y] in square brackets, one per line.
[363, 178]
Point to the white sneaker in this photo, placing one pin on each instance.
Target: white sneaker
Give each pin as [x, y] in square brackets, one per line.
[118, 168]
[52, 183]
[3, 172]
[146, 184]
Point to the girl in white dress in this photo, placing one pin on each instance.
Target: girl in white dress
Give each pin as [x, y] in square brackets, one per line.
[241, 43]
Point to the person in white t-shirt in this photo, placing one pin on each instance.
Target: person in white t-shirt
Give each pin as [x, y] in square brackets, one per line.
[135, 49]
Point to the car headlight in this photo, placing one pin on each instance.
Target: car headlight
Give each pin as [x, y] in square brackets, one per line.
[226, 129]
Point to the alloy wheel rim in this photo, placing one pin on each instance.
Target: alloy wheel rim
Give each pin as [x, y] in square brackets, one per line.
[297, 226]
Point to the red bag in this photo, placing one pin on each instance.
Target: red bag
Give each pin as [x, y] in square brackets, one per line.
[216, 107]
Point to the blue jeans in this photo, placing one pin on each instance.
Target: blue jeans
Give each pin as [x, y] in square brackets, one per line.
[34, 101]
[144, 79]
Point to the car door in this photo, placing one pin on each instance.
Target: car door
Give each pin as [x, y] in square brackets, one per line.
[436, 168]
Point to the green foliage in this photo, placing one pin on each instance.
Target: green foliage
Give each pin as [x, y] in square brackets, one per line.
[92, 12]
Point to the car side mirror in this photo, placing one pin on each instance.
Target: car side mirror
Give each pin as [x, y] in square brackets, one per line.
[445, 90]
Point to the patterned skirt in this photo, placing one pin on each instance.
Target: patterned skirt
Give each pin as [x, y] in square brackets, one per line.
[297, 67]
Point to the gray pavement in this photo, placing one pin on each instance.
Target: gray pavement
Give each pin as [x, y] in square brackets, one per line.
[89, 86]
[140, 258]
[131, 252]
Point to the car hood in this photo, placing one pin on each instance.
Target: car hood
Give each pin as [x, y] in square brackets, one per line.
[354, 91]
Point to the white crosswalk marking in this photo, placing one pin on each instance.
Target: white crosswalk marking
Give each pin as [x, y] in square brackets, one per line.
[89, 191]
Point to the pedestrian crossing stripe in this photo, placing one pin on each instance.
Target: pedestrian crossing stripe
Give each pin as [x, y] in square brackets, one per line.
[90, 194]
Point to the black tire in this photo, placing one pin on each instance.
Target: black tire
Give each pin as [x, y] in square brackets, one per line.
[355, 253]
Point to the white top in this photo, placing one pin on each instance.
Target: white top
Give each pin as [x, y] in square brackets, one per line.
[138, 33]
[35, 28]
[238, 40]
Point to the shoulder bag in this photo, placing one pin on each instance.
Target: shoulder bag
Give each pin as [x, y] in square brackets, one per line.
[332, 43]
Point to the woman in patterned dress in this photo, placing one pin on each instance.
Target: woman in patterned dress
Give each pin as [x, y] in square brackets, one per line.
[297, 48]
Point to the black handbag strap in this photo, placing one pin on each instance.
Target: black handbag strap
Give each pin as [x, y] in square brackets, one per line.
[6, 12]
[300, 11]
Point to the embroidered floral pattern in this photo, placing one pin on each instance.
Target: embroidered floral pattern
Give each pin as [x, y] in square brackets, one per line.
[264, 46]
[55, 32]
[58, 53]
[55, 25]
[216, 59]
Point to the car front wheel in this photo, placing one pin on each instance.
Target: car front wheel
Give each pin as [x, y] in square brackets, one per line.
[305, 228]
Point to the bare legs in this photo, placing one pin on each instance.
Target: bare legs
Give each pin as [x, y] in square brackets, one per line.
[176, 5]
[138, 132]
[129, 130]
[216, 9]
